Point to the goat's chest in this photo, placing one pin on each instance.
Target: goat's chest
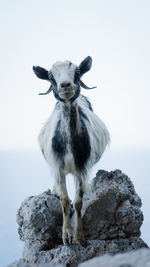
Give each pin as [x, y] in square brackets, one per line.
[71, 146]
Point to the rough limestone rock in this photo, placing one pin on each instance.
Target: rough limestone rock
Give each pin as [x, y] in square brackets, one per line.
[21, 264]
[138, 258]
[111, 218]
[114, 205]
[40, 221]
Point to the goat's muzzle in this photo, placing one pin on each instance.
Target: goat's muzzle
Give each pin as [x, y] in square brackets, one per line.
[66, 90]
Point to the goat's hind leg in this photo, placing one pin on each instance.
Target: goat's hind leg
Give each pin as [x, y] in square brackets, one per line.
[67, 233]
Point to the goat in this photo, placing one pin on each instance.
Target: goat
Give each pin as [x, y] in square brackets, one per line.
[73, 139]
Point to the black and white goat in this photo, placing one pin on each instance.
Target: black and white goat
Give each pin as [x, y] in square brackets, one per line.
[73, 139]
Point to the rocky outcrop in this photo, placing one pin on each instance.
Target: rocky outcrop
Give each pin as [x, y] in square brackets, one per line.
[21, 264]
[40, 221]
[139, 258]
[115, 207]
[111, 218]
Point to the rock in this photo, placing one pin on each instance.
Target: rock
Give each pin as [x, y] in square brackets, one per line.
[74, 254]
[139, 258]
[40, 221]
[114, 205]
[19, 264]
[111, 218]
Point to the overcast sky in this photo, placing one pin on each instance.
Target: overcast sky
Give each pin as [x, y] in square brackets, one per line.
[116, 34]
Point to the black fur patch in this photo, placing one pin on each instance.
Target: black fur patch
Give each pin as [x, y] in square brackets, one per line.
[41, 72]
[59, 141]
[82, 114]
[77, 75]
[64, 210]
[80, 142]
[77, 93]
[85, 65]
[89, 104]
[79, 213]
[81, 193]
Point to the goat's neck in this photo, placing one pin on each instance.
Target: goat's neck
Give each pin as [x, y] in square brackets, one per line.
[71, 116]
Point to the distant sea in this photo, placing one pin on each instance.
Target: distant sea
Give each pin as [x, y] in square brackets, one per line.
[25, 173]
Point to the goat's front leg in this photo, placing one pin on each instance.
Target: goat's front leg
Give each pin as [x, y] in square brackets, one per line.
[67, 232]
[78, 207]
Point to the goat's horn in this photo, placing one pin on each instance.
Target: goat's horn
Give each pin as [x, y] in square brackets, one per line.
[85, 86]
[48, 91]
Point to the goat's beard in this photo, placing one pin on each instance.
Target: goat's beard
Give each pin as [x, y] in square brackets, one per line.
[71, 97]
[67, 95]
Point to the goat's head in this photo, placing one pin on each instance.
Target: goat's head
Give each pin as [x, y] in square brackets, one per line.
[65, 78]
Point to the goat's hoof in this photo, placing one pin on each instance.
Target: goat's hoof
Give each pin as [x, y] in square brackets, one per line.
[79, 238]
[67, 237]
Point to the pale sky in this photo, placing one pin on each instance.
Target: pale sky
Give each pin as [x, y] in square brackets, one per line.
[116, 34]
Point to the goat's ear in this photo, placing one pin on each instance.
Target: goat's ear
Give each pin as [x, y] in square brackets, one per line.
[41, 72]
[85, 65]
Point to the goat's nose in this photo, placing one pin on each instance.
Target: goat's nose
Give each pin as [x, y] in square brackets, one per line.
[65, 85]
